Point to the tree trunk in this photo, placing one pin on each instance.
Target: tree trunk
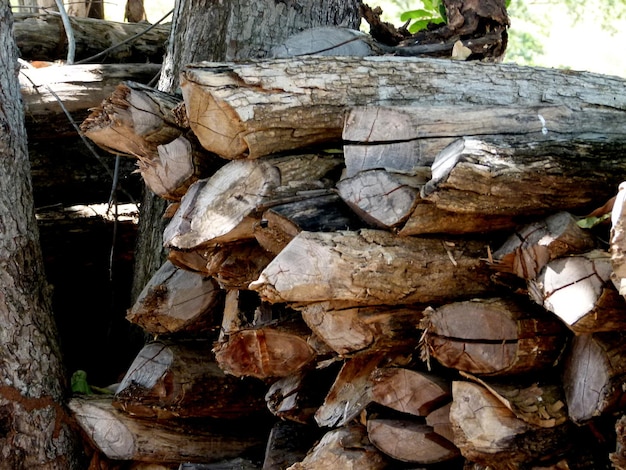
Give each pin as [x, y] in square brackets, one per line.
[36, 429]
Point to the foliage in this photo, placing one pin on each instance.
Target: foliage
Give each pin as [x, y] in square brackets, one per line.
[432, 11]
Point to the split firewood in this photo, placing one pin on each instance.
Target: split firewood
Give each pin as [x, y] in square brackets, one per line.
[593, 375]
[288, 443]
[618, 458]
[496, 336]
[297, 397]
[381, 198]
[539, 404]
[439, 420]
[618, 239]
[133, 121]
[227, 206]
[410, 441]
[373, 267]
[488, 433]
[182, 380]
[578, 290]
[502, 176]
[122, 437]
[351, 392]
[248, 110]
[527, 251]
[79, 87]
[347, 328]
[265, 352]
[177, 300]
[346, 447]
[324, 211]
[409, 391]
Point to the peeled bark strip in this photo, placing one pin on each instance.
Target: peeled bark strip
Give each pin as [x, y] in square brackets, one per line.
[495, 336]
[348, 328]
[254, 109]
[122, 437]
[487, 432]
[534, 245]
[371, 267]
[409, 391]
[182, 380]
[593, 375]
[346, 447]
[618, 239]
[42, 37]
[409, 441]
[79, 87]
[133, 121]
[177, 300]
[578, 290]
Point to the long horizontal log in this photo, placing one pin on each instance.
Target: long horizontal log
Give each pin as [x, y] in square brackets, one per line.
[373, 267]
[42, 37]
[247, 110]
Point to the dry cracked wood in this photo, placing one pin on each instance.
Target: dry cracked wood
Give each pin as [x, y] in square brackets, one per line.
[252, 109]
[373, 267]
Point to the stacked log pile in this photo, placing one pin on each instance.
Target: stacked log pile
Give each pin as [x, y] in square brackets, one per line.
[388, 254]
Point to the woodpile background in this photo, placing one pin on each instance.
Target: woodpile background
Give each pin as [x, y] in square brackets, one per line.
[375, 263]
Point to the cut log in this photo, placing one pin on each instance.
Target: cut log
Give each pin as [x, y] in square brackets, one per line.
[578, 290]
[42, 37]
[182, 380]
[177, 300]
[346, 447]
[325, 212]
[79, 87]
[534, 245]
[348, 328]
[351, 391]
[381, 198]
[439, 420]
[298, 396]
[487, 432]
[264, 353]
[497, 336]
[227, 206]
[288, 443]
[134, 121]
[372, 267]
[410, 441]
[593, 375]
[254, 109]
[618, 239]
[121, 437]
[501, 176]
[409, 391]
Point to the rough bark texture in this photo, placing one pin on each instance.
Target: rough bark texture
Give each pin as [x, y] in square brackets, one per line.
[36, 429]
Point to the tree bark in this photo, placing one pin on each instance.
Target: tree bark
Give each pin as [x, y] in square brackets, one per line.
[37, 430]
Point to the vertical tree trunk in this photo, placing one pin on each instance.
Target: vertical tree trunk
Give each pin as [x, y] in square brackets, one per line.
[226, 30]
[35, 429]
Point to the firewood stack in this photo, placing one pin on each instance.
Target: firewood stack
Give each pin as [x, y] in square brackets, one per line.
[385, 260]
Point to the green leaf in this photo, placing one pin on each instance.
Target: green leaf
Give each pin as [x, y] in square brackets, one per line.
[416, 15]
[590, 222]
[423, 24]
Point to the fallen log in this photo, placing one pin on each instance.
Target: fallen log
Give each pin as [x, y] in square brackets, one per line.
[79, 87]
[257, 108]
[42, 37]
[372, 267]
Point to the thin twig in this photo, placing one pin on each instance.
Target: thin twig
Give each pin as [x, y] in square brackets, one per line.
[69, 32]
[125, 41]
